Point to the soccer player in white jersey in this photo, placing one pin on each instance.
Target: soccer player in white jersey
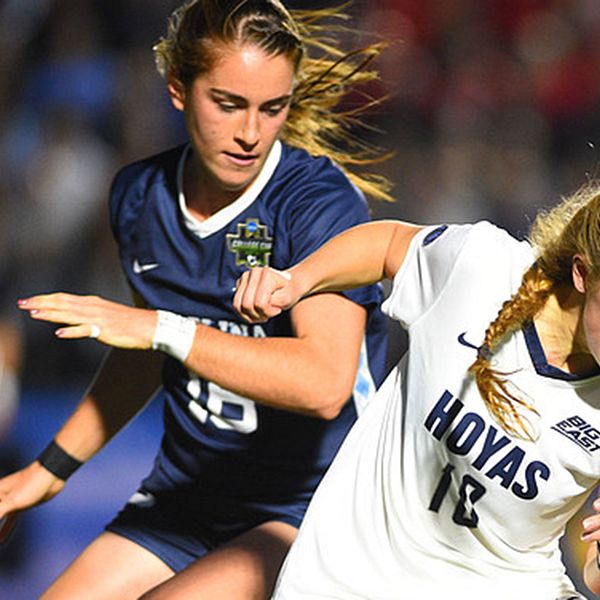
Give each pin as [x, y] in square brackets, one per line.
[460, 477]
[253, 414]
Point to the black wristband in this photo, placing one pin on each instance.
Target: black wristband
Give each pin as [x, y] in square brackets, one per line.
[58, 462]
[598, 555]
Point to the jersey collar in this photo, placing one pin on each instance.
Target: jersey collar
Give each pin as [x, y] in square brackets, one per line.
[224, 216]
[538, 357]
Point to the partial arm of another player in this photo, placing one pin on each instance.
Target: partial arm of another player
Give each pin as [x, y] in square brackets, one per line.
[297, 373]
[359, 256]
[591, 534]
[311, 372]
[124, 383]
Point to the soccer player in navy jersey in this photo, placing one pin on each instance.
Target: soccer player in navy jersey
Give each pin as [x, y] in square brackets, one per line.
[253, 414]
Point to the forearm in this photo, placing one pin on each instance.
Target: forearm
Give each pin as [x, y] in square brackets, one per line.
[122, 386]
[351, 259]
[278, 372]
[295, 373]
[360, 256]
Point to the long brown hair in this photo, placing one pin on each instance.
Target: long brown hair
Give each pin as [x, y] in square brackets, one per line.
[557, 235]
[325, 73]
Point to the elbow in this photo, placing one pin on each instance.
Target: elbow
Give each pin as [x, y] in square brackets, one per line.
[327, 401]
[327, 413]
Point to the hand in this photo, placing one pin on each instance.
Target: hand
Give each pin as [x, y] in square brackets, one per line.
[23, 489]
[111, 323]
[591, 524]
[263, 292]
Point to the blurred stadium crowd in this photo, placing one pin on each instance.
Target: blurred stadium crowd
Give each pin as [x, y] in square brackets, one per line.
[493, 111]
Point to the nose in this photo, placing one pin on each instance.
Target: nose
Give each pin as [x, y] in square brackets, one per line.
[248, 134]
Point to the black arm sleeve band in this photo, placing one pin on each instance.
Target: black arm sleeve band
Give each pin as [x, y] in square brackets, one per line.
[58, 462]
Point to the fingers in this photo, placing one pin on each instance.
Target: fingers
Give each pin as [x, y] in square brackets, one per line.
[240, 291]
[59, 300]
[67, 309]
[78, 332]
[7, 524]
[7, 506]
[60, 308]
[254, 293]
[591, 524]
[8, 516]
[111, 323]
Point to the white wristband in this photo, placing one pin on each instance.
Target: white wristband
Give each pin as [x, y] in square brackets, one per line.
[174, 334]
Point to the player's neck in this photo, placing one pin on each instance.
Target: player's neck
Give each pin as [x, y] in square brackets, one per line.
[558, 328]
[203, 195]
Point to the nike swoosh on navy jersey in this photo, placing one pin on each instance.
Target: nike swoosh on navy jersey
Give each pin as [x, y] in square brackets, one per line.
[463, 341]
[142, 499]
[138, 268]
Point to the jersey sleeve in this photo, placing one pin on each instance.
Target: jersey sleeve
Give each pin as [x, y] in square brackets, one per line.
[326, 205]
[445, 255]
[124, 201]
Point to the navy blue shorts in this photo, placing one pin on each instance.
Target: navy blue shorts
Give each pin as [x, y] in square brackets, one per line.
[178, 532]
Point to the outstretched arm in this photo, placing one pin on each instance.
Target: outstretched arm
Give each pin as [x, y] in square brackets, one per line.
[359, 256]
[294, 373]
[124, 383]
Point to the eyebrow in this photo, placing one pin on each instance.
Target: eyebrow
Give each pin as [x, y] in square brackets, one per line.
[236, 98]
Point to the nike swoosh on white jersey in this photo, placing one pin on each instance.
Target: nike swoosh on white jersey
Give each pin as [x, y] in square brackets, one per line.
[138, 268]
[464, 342]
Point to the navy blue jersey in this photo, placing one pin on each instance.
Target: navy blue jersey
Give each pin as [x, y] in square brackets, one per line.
[217, 442]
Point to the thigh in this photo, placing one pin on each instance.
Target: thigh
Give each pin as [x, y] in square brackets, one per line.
[110, 567]
[244, 569]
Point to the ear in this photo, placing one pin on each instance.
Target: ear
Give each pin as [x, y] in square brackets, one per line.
[579, 273]
[176, 91]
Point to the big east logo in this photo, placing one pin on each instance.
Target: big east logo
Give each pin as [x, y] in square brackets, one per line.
[579, 431]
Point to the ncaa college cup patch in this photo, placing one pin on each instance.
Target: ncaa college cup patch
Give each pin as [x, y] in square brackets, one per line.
[251, 244]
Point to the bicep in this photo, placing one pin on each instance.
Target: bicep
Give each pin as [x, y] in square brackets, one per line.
[333, 327]
[398, 247]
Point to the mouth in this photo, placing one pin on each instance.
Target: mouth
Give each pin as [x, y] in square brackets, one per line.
[242, 160]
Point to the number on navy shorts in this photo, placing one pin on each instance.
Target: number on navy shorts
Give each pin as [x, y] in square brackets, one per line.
[470, 491]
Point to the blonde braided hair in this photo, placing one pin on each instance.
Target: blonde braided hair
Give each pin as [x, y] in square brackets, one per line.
[572, 227]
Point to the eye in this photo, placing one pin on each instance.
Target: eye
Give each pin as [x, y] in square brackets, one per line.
[273, 111]
[227, 107]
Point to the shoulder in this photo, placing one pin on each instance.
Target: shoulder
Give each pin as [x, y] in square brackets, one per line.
[130, 186]
[487, 244]
[481, 252]
[316, 179]
[143, 172]
[477, 240]
[449, 260]
[299, 163]
[312, 201]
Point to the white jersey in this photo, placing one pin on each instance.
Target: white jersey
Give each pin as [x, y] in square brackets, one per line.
[429, 497]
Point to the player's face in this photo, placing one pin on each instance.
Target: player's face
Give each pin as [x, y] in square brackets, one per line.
[235, 112]
[591, 320]
[587, 335]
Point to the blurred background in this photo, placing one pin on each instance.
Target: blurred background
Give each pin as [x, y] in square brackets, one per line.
[493, 112]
